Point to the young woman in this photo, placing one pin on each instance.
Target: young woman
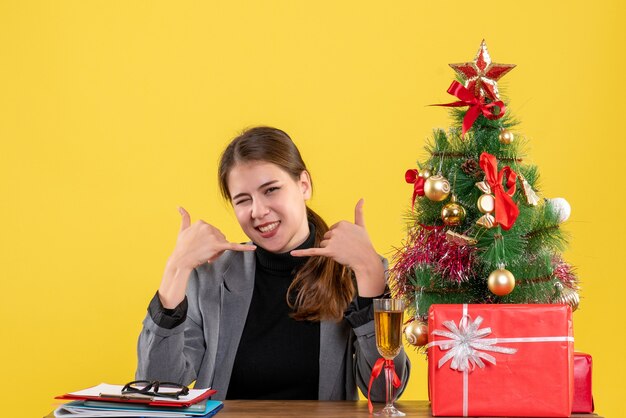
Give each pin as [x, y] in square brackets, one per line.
[286, 316]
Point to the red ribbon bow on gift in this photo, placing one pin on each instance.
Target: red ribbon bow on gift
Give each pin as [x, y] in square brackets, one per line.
[378, 367]
[506, 209]
[476, 105]
[412, 177]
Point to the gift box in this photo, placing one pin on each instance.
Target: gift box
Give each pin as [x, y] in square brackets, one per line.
[500, 360]
[583, 398]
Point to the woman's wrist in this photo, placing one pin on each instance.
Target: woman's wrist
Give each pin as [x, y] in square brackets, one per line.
[174, 283]
[370, 277]
[178, 262]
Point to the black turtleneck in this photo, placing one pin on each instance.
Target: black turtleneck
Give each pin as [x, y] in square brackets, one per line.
[278, 357]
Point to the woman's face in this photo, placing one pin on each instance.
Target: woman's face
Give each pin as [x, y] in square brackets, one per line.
[270, 205]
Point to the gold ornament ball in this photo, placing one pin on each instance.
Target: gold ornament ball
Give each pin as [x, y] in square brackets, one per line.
[567, 296]
[501, 282]
[570, 297]
[416, 333]
[486, 203]
[437, 188]
[506, 137]
[425, 173]
[452, 213]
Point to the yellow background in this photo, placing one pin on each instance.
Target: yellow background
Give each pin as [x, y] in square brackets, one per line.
[113, 113]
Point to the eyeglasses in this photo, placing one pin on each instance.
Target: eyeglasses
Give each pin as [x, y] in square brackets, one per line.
[156, 388]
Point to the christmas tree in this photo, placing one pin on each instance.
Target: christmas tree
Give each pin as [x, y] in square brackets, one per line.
[478, 230]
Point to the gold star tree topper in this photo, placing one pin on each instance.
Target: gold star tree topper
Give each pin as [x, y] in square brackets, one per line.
[481, 74]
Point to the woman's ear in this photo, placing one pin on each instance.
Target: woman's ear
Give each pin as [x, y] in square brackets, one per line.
[305, 185]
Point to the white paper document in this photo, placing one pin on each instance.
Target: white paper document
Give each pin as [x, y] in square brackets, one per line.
[116, 390]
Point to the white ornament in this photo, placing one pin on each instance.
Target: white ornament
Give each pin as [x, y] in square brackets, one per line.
[561, 207]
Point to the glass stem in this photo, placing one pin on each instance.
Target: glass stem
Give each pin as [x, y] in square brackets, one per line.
[389, 380]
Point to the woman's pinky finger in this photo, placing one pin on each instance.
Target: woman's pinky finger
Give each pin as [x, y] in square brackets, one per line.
[308, 252]
[240, 247]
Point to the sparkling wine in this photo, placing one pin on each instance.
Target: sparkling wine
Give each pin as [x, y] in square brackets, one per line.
[388, 332]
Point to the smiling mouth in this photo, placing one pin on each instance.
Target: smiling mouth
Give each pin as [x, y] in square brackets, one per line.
[268, 227]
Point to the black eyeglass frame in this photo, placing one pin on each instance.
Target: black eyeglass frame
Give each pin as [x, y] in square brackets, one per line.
[151, 388]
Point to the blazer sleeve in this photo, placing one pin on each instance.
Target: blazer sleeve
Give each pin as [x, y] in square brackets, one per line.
[172, 355]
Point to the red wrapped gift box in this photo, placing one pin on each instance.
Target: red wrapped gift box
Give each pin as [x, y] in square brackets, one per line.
[583, 398]
[500, 360]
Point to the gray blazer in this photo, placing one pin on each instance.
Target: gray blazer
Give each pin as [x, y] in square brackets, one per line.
[203, 348]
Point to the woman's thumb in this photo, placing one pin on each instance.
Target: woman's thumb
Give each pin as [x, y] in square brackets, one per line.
[185, 218]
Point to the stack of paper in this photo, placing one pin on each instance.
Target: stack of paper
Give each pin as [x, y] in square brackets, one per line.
[107, 400]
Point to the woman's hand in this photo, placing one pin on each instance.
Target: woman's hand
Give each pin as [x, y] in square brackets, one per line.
[197, 244]
[200, 243]
[349, 244]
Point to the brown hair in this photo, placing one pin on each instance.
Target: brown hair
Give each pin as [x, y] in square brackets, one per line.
[322, 288]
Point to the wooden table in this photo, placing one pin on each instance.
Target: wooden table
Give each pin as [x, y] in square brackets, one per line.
[316, 409]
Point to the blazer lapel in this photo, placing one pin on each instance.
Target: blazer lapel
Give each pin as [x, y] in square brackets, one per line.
[333, 339]
[236, 295]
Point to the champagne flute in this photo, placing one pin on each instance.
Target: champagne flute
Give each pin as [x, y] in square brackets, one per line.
[388, 320]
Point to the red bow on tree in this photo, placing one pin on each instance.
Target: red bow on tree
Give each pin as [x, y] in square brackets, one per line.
[476, 105]
[378, 367]
[506, 210]
[412, 177]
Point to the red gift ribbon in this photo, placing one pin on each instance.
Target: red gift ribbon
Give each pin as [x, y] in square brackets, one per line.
[378, 367]
[476, 105]
[506, 209]
[412, 177]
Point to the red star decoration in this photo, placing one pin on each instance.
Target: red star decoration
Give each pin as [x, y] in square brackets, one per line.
[481, 74]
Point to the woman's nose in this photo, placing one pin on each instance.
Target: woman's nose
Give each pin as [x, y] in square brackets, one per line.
[259, 209]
